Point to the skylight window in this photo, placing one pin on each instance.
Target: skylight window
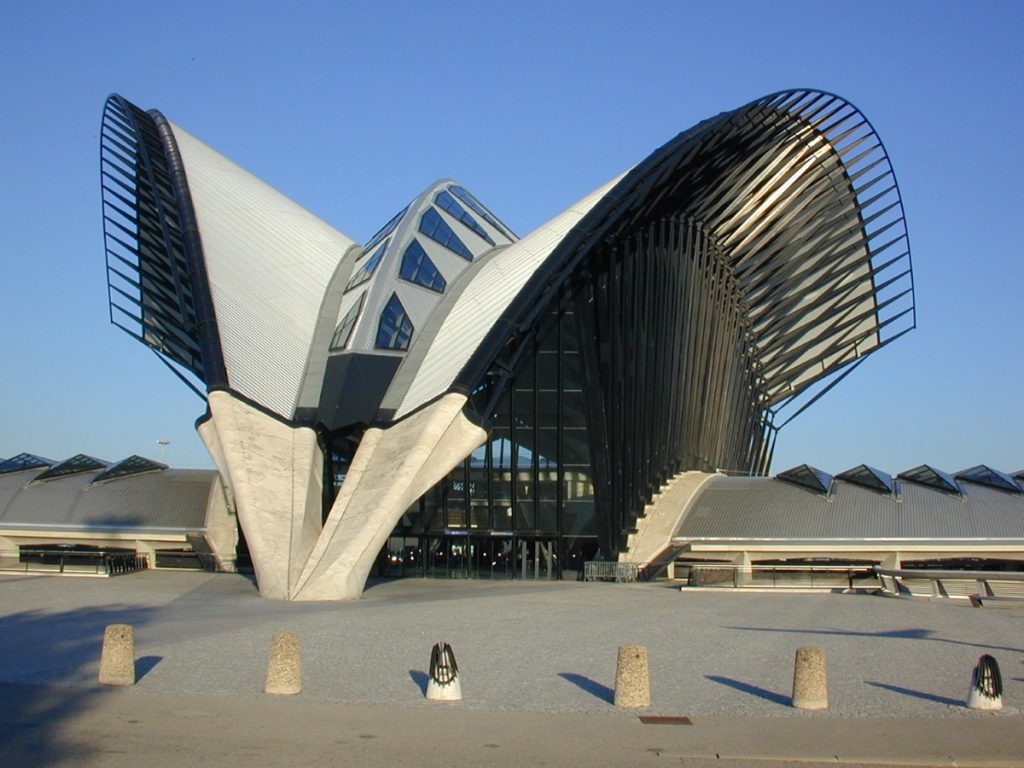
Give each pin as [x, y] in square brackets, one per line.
[386, 230]
[471, 201]
[808, 477]
[76, 465]
[344, 330]
[22, 462]
[437, 229]
[395, 329]
[984, 475]
[449, 205]
[368, 267]
[869, 477]
[133, 465]
[933, 478]
[419, 269]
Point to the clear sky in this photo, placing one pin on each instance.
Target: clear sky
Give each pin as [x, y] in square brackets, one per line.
[353, 108]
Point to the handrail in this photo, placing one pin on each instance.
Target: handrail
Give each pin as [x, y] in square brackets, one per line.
[961, 585]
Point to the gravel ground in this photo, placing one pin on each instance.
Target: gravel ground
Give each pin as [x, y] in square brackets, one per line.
[521, 646]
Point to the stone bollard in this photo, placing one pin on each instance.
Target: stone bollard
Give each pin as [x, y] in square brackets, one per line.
[443, 684]
[632, 677]
[284, 671]
[810, 684]
[117, 660]
[986, 685]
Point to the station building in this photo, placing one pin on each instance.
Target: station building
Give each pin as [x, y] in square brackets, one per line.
[449, 395]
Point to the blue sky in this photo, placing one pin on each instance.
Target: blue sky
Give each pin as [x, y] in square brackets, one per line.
[353, 108]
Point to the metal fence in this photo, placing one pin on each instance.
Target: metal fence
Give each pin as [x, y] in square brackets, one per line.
[72, 562]
[618, 572]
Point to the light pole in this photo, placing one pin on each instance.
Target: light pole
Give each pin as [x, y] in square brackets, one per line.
[163, 449]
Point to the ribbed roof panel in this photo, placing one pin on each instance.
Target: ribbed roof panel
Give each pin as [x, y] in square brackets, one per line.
[760, 508]
[269, 262]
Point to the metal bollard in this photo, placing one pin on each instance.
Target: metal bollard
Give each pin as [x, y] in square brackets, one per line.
[444, 682]
[810, 684]
[284, 670]
[986, 685]
[632, 677]
[117, 659]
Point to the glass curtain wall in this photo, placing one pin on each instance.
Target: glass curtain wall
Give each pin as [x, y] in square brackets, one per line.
[521, 505]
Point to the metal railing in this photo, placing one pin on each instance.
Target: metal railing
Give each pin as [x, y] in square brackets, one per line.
[730, 576]
[72, 562]
[617, 572]
[964, 585]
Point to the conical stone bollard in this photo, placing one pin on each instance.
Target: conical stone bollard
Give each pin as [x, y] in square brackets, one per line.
[632, 677]
[810, 686]
[117, 659]
[443, 684]
[986, 685]
[284, 671]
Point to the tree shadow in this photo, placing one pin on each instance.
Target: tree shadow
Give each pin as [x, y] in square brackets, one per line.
[421, 679]
[917, 694]
[594, 688]
[753, 690]
[48, 667]
[913, 633]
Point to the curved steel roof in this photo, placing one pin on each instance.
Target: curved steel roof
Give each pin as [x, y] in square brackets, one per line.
[798, 192]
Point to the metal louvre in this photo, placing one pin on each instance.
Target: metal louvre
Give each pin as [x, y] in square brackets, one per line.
[151, 292]
[735, 267]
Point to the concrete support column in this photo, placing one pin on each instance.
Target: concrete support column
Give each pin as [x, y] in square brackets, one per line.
[275, 472]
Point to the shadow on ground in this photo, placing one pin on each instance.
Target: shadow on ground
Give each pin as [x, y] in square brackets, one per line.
[753, 690]
[46, 665]
[594, 688]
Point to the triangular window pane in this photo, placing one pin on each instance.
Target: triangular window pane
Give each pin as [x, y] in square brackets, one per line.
[472, 202]
[24, 461]
[869, 477]
[133, 465]
[395, 329]
[449, 205]
[344, 330]
[367, 268]
[808, 477]
[437, 229]
[386, 230]
[934, 478]
[419, 269]
[984, 475]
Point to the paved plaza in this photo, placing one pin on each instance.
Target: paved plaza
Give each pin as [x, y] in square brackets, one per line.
[537, 663]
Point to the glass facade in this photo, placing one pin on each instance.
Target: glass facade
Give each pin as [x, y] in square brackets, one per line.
[521, 505]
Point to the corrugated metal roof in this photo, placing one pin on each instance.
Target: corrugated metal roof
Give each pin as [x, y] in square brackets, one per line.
[269, 262]
[174, 499]
[749, 508]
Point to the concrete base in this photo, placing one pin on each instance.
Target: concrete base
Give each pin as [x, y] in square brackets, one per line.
[117, 659]
[284, 669]
[632, 677]
[810, 686]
